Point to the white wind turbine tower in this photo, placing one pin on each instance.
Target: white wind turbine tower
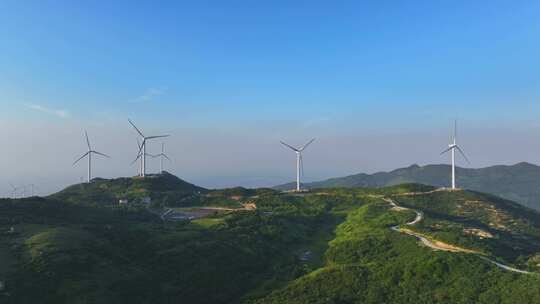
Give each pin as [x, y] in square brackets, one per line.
[299, 162]
[139, 157]
[89, 154]
[452, 148]
[161, 156]
[142, 149]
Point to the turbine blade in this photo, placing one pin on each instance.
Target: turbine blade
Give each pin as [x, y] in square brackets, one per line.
[158, 136]
[138, 131]
[289, 146]
[463, 154]
[162, 147]
[87, 140]
[141, 146]
[81, 157]
[166, 157]
[136, 159]
[99, 153]
[306, 145]
[446, 150]
[138, 144]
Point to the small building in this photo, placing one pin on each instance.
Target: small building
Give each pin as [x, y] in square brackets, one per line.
[123, 201]
[146, 200]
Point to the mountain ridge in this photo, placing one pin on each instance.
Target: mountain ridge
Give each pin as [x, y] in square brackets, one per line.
[339, 243]
[109, 191]
[519, 182]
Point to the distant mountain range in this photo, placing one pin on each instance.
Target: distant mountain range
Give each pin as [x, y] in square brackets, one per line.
[519, 182]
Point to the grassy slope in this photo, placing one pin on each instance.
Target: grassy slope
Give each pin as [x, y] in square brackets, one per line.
[369, 263]
[514, 230]
[519, 182]
[69, 253]
[166, 187]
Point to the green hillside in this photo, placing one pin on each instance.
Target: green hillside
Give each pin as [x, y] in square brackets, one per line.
[369, 263]
[75, 253]
[326, 246]
[159, 187]
[519, 183]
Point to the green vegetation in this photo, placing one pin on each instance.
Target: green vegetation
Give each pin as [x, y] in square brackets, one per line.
[163, 189]
[519, 183]
[369, 263]
[229, 198]
[497, 227]
[75, 253]
[325, 246]
[207, 222]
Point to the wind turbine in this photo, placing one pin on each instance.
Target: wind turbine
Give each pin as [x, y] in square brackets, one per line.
[139, 157]
[299, 161]
[32, 187]
[23, 191]
[14, 190]
[452, 148]
[161, 156]
[143, 146]
[89, 154]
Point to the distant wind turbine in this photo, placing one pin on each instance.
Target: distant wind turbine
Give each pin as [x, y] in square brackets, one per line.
[89, 154]
[143, 146]
[14, 190]
[161, 156]
[452, 148]
[32, 187]
[299, 161]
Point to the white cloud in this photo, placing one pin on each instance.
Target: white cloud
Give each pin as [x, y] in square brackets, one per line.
[149, 95]
[59, 113]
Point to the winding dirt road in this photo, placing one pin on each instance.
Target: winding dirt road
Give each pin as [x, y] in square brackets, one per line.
[438, 245]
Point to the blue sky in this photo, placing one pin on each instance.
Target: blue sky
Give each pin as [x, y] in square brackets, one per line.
[280, 68]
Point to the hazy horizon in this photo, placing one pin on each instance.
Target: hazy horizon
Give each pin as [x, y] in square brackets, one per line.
[215, 158]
